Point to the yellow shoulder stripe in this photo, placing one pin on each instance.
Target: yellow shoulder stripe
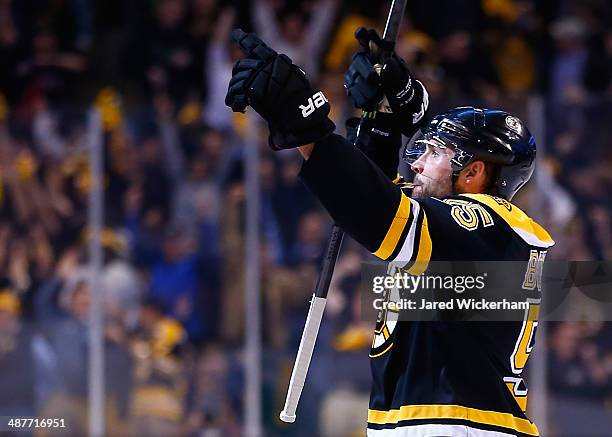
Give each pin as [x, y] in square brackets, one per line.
[414, 412]
[521, 223]
[395, 230]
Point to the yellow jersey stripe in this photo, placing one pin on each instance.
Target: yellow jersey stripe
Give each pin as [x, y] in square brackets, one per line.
[395, 230]
[520, 222]
[413, 412]
[424, 254]
[520, 400]
[383, 352]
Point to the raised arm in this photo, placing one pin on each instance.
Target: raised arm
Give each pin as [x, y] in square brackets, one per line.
[264, 20]
[323, 16]
[360, 198]
[218, 70]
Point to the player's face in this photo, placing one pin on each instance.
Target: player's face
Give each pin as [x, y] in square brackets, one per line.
[433, 173]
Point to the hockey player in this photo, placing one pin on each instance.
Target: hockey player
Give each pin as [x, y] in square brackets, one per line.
[429, 378]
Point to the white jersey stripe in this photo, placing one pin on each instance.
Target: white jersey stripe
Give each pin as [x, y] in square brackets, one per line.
[532, 239]
[404, 255]
[435, 430]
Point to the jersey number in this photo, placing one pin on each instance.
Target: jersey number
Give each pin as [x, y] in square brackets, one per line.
[522, 348]
[469, 215]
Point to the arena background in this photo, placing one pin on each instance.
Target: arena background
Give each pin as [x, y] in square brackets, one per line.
[113, 130]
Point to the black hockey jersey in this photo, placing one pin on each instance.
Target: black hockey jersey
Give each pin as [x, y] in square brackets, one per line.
[436, 378]
[456, 374]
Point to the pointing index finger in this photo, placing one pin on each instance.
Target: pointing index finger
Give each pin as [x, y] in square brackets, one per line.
[251, 45]
[237, 35]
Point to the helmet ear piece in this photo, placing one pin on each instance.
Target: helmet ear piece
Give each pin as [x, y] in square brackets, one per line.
[461, 159]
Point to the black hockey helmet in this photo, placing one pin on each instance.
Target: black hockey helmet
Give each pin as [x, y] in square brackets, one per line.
[488, 135]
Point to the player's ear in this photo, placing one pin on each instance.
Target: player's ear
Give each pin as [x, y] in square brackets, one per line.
[473, 178]
[477, 170]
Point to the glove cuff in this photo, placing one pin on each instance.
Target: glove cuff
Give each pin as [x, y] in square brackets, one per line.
[410, 113]
[407, 96]
[378, 138]
[280, 139]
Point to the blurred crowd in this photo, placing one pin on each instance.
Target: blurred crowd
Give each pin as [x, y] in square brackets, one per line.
[156, 71]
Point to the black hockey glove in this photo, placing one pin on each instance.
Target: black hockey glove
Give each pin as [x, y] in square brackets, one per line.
[407, 97]
[375, 136]
[280, 92]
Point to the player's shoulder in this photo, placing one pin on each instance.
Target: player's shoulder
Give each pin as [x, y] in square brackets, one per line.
[474, 211]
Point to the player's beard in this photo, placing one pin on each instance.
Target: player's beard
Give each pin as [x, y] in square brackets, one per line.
[428, 187]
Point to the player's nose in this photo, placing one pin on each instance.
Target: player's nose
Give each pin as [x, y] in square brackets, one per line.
[417, 166]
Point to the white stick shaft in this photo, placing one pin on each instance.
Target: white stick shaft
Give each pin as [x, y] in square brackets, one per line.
[302, 361]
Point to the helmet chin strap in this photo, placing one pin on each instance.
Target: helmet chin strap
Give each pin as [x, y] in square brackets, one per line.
[456, 170]
[454, 178]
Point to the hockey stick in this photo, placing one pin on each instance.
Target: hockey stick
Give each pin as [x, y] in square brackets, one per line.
[311, 328]
[394, 21]
[319, 298]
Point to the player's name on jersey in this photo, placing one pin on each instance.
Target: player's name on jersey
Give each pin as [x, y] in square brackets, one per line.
[452, 304]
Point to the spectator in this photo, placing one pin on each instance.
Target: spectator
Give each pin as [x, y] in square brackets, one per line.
[299, 38]
[156, 405]
[50, 72]
[310, 239]
[220, 56]
[174, 280]
[66, 309]
[211, 405]
[568, 65]
[172, 66]
[576, 366]
[27, 363]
